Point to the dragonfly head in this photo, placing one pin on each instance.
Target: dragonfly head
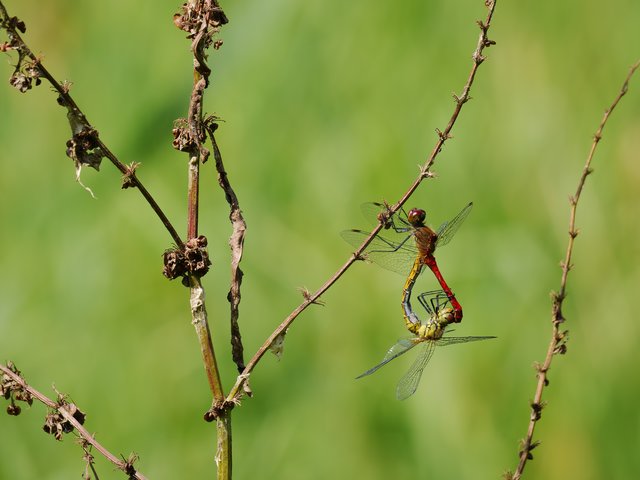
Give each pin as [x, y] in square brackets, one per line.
[416, 217]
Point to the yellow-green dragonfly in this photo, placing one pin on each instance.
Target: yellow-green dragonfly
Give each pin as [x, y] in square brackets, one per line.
[429, 335]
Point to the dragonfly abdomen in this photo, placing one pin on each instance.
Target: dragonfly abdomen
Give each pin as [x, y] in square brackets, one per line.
[411, 320]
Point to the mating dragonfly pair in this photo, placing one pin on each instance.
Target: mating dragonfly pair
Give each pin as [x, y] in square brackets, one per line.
[406, 246]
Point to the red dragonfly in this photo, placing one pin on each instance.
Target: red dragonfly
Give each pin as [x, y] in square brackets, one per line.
[406, 246]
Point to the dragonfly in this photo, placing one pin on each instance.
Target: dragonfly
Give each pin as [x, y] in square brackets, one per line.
[430, 334]
[406, 246]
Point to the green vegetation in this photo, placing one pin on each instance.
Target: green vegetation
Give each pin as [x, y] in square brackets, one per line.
[327, 105]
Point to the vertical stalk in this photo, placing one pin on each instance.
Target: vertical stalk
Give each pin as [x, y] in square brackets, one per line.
[202, 19]
[223, 450]
[201, 324]
[193, 196]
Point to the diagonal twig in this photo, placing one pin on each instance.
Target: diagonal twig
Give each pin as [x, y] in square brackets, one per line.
[77, 118]
[65, 410]
[483, 42]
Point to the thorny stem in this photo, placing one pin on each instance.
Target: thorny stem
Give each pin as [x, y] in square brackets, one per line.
[558, 337]
[235, 393]
[67, 101]
[478, 58]
[68, 416]
[443, 136]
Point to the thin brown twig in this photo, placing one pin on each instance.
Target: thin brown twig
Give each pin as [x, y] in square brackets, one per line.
[77, 117]
[444, 135]
[483, 42]
[89, 460]
[557, 344]
[63, 409]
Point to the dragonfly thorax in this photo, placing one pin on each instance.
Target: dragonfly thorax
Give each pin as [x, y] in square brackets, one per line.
[435, 326]
[432, 330]
[426, 240]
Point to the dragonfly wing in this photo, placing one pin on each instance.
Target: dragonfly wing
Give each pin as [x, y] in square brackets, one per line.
[397, 255]
[401, 346]
[444, 341]
[448, 229]
[408, 384]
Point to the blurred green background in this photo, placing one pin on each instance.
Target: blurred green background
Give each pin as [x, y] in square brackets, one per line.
[327, 105]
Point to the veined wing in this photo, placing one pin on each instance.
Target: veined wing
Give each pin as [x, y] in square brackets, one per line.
[408, 384]
[397, 255]
[444, 341]
[400, 347]
[448, 229]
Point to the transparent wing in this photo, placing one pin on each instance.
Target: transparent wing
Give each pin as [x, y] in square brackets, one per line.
[444, 341]
[448, 229]
[395, 254]
[395, 249]
[400, 347]
[408, 384]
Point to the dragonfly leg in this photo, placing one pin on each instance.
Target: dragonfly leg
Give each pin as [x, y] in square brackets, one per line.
[393, 247]
[430, 262]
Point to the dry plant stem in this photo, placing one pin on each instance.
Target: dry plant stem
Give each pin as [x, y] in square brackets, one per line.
[119, 463]
[558, 337]
[443, 136]
[223, 449]
[74, 110]
[203, 10]
[200, 323]
[236, 243]
[197, 155]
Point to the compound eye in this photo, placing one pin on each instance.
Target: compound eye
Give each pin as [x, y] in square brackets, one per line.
[416, 216]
